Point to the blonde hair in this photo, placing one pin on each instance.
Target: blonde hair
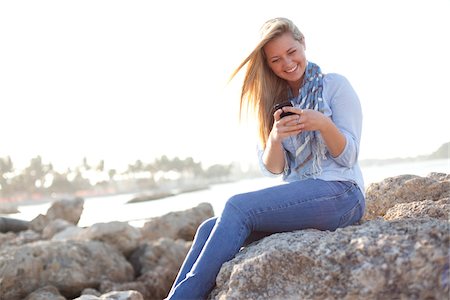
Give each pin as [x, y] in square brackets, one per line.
[261, 88]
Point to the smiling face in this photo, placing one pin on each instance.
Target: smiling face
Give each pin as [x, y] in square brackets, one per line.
[286, 58]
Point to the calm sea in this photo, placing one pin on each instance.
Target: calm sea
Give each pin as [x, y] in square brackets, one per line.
[114, 208]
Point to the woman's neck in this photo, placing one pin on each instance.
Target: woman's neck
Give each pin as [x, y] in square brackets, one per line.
[295, 86]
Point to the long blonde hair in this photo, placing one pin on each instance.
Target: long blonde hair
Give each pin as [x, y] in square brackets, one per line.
[261, 88]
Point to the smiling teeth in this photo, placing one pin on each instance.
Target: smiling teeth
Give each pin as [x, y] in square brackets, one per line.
[291, 70]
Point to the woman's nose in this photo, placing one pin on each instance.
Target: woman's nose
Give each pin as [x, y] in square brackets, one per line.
[287, 61]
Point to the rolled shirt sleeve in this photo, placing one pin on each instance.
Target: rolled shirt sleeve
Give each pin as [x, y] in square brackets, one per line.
[263, 168]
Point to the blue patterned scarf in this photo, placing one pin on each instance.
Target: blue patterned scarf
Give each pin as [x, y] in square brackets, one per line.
[309, 144]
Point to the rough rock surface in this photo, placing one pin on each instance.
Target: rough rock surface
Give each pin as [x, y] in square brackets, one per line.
[405, 259]
[59, 259]
[179, 224]
[380, 197]
[120, 235]
[69, 266]
[438, 209]
[122, 295]
[69, 210]
[45, 293]
[402, 252]
[156, 264]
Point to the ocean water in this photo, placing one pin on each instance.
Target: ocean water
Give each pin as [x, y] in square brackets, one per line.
[115, 208]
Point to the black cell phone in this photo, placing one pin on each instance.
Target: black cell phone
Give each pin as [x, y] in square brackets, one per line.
[283, 104]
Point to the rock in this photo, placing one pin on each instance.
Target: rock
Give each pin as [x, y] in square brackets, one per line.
[46, 293]
[177, 225]
[120, 235]
[54, 227]
[13, 225]
[402, 259]
[156, 264]
[69, 233]
[68, 210]
[39, 223]
[91, 291]
[420, 209]
[121, 295]
[163, 253]
[7, 208]
[70, 266]
[21, 238]
[380, 197]
[108, 287]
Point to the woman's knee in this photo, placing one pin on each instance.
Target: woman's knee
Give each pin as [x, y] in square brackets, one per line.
[236, 202]
[237, 209]
[205, 228]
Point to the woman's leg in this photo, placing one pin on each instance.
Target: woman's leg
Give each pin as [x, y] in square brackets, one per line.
[303, 204]
[202, 234]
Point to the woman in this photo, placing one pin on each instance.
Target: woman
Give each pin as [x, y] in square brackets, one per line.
[315, 149]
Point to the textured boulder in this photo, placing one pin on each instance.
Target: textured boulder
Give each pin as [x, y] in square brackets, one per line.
[55, 226]
[69, 210]
[13, 225]
[179, 224]
[156, 264]
[120, 235]
[69, 266]
[400, 251]
[381, 196]
[120, 295]
[405, 259]
[420, 209]
[46, 293]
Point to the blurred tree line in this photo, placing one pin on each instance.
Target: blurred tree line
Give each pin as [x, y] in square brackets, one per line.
[40, 178]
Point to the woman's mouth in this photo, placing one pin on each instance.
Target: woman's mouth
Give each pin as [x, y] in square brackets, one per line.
[292, 69]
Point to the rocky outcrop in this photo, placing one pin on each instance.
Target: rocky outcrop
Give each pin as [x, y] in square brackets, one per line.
[69, 210]
[69, 266]
[375, 260]
[177, 225]
[401, 251]
[382, 196]
[122, 295]
[56, 259]
[13, 225]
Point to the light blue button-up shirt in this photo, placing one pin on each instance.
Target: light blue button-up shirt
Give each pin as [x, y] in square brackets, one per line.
[341, 104]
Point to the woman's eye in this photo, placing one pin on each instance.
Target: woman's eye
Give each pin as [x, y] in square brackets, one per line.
[275, 60]
[292, 52]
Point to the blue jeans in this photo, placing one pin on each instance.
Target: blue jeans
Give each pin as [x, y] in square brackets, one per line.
[311, 203]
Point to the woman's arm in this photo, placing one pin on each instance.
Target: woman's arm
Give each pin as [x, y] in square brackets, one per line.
[273, 157]
[341, 133]
[332, 136]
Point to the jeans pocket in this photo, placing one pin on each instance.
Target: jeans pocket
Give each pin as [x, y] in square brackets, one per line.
[352, 216]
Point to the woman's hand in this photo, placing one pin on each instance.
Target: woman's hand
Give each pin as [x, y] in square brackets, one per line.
[286, 126]
[314, 120]
[309, 119]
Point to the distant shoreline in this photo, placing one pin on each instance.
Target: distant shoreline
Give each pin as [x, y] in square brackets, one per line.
[442, 153]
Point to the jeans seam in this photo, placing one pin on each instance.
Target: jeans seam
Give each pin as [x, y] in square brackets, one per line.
[243, 224]
[345, 218]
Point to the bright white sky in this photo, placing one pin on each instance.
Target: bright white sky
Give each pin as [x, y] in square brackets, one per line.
[127, 80]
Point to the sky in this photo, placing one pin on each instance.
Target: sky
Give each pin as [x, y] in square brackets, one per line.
[128, 80]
